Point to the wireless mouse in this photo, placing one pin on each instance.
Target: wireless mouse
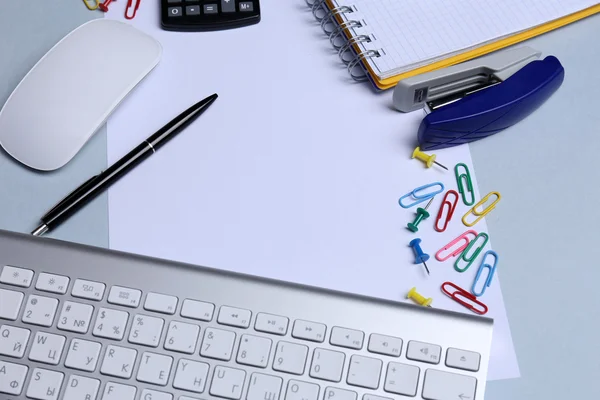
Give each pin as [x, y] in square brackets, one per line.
[69, 94]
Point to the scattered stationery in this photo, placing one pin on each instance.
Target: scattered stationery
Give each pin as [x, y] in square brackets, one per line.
[390, 40]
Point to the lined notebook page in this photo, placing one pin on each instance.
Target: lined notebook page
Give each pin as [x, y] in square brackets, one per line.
[413, 33]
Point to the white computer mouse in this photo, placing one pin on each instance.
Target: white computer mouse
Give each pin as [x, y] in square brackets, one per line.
[68, 95]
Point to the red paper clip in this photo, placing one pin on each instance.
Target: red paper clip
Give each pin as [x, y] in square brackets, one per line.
[132, 5]
[459, 293]
[451, 208]
[459, 250]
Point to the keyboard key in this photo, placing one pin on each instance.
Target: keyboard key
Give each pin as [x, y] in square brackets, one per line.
[44, 384]
[124, 296]
[426, 352]
[16, 276]
[402, 379]
[161, 303]
[52, 283]
[197, 310]
[146, 330]
[10, 304]
[290, 358]
[40, 310]
[228, 6]
[116, 391]
[364, 372]
[75, 317]
[182, 337]
[332, 393]
[254, 350]
[154, 368]
[88, 289]
[81, 387]
[13, 341]
[373, 397]
[298, 390]
[440, 385]
[191, 376]
[217, 344]
[12, 378]
[234, 317]
[327, 365]
[309, 331]
[264, 387]
[83, 355]
[118, 361]
[387, 345]
[148, 394]
[47, 348]
[246, 6]
[110, 324]
[462, 359]
[188, 398]
[349, 338]
[228, 383]
[271, 324]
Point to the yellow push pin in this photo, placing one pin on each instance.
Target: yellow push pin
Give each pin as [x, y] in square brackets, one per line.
[429, 160]
[417, 298]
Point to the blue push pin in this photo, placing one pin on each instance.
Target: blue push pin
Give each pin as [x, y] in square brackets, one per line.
[420, 256]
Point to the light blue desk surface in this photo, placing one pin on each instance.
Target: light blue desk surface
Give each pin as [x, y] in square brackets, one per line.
[545, 228]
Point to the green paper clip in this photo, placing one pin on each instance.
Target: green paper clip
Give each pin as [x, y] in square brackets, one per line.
[471, 258]
[461, 188]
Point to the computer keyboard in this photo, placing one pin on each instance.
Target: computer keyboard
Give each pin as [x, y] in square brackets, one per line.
[85, 323]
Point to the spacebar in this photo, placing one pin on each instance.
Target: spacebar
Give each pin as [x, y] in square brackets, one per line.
[440, 385]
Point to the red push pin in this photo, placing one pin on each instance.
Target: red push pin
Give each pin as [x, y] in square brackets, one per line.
[104, 6]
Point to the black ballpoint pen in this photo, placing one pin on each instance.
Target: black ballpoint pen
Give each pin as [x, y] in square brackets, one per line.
[97, 184]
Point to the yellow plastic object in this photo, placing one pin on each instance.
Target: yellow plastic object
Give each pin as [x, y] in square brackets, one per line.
[485, 211]
[427, 159]
[91, 4]
[419, 299]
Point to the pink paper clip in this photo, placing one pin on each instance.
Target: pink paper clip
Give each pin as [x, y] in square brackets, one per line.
[132, 5]
[464, 298]
[459, 250]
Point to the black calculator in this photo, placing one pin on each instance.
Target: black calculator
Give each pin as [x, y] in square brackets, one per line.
[208, 15]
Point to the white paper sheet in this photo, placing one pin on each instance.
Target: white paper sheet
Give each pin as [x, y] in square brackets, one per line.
[293, 173]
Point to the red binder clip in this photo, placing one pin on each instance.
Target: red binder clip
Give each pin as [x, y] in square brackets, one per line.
[104, 6]
[459, 295]
[132, 7]
[449, 213]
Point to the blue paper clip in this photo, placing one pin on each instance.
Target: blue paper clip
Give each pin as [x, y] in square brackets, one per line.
[491, 269]
[420, 197]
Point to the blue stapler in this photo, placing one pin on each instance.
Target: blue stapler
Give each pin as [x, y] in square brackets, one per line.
[473, 100]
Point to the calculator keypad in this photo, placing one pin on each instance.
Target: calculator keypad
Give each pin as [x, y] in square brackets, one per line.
[205, 15]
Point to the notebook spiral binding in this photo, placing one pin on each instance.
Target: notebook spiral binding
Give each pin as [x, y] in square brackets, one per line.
[337, 37]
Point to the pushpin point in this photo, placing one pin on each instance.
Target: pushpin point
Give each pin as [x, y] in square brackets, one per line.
[429, 160]
[421, 215]
[420, 256]
[419, 299]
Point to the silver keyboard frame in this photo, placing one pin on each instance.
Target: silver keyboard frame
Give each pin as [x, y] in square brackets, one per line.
[221, 287]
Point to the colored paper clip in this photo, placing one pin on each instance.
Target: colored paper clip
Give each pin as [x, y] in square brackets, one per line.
[419, 196]
[473, 256]
[460, 249]
[451, 207]
[484, 212]
[466, 176]
[132, 5]
[91, 5]
[460, 295]
[491, 269]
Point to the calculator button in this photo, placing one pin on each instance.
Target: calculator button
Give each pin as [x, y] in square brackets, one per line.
[210, 9]
[192, 10]
[174, 11]
[228, 6]
[174, 1]
[246, 6]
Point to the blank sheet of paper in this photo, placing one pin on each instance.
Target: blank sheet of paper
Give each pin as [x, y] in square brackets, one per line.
[293, 173]
[416, 32]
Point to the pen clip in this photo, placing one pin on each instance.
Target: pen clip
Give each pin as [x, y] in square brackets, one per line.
[71, 195]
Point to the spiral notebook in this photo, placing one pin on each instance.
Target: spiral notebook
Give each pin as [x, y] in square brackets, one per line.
[385, 41]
